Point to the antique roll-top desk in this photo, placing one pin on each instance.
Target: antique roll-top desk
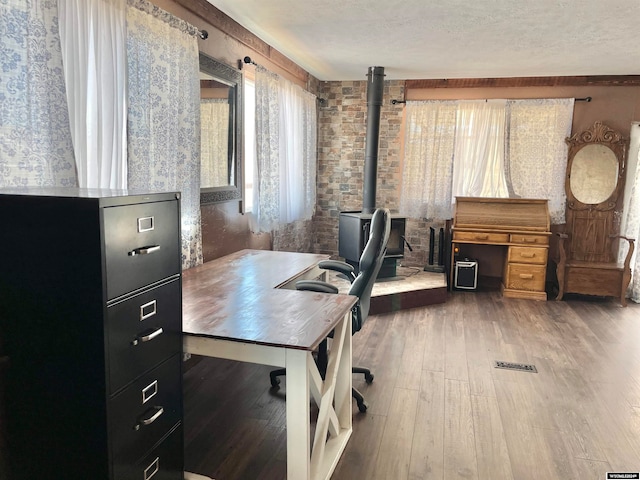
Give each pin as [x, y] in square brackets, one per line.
[521, 225]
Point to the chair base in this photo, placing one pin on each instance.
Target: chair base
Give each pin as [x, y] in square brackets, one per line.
[274, 374]
[368, 377]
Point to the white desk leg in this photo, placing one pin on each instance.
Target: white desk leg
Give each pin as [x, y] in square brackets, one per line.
[298, 363]
[343, 400]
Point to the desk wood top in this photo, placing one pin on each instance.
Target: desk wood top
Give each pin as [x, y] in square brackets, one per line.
[236, 298]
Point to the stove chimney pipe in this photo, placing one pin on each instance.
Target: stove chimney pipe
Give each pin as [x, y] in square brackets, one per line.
[375, 90]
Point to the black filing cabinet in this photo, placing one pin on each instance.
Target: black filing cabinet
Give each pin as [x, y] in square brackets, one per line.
[90, 326]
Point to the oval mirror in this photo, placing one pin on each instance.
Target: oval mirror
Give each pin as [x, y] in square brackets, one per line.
[594, 174]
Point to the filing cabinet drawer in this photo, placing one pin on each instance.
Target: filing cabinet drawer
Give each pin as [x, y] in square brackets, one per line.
[165, 462]
[525, 277]
[481, 237]
[527, 239]
[143, 330]
[528, 255]
[146, 411]
[141, 245]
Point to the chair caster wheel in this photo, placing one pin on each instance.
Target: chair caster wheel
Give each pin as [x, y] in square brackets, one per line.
[368, 378]
[362, 406]
[275, 382]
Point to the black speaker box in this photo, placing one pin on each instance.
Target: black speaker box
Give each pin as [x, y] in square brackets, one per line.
[466, 275]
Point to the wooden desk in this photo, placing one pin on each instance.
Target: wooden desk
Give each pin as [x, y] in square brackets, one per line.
[520, 224]
[236, 308]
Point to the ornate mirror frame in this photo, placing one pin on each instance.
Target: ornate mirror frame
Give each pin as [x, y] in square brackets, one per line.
[231, 76]
[599, 134]
[589, 249]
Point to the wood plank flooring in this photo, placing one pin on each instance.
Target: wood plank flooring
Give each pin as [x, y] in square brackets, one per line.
[438, 407]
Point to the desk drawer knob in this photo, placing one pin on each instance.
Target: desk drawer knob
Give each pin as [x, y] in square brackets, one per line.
[526, 276]
[147, 336]
[527, 255]
[529, 240]
[149, 417]
[482, 237]
[144, 250]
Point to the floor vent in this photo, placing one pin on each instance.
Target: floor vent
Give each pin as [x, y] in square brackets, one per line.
[523, 367]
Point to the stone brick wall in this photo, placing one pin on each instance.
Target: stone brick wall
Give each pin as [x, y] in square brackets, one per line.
[341, 151]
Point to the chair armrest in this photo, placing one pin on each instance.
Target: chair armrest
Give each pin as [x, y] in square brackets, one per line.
[562, 237]
[316, 286]
[340, 267]
[630, 240]
[627, 260]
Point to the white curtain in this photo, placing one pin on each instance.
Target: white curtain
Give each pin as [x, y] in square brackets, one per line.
[285, 173]
[494, 148]
[164, 114]
[35, 140]
[537, 151]
[478, 169]
[93, 38]
[631, 220]
[214, 120]
[428, 159]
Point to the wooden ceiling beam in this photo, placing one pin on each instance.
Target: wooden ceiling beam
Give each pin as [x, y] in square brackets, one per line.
[228, 26]
[576, 81]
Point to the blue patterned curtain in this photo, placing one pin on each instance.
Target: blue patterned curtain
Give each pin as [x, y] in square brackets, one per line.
[164, 114]
[35, 139]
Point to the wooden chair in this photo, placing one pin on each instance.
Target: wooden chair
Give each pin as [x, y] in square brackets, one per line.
[588, 260]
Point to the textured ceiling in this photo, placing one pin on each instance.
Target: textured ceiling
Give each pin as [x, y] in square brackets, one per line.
[426, 39]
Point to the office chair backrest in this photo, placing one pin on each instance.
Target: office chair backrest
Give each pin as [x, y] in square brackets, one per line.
[370, 263]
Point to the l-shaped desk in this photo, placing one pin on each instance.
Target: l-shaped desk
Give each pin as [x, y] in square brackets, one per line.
[244, 307]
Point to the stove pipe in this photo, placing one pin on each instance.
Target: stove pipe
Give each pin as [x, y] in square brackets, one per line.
[375, 89]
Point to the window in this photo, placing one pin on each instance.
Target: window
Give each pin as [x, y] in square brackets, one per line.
[518, 152]
[283, 181]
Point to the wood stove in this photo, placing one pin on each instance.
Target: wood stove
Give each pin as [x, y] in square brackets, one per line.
[353, 234]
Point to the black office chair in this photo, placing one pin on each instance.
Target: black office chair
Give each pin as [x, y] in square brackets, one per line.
[361, 286]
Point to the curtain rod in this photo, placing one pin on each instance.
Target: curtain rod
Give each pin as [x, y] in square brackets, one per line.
[167, 17]
[585, 99]
[247, 59]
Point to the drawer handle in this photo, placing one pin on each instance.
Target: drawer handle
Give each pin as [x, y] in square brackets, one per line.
[152, 469]
[481, 237]
[526, 276]
[149, 417]
[144, 250]
[527, 255]
[147, 337]
[529, 240]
